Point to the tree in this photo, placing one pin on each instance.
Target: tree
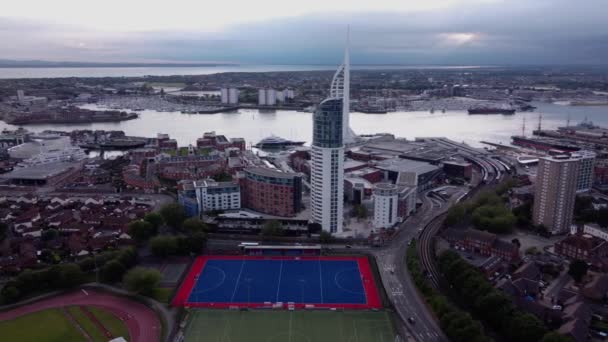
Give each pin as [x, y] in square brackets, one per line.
[577, 270]
[155, 219]
[9, 294]
[163, 245]
[456, 214]
[493, 218]
[360, 211]
[141, 230]
[65, 276]
[142, 280]
[3, 231]
[113, 271]
[197, 242]
[325, 237]
[272, 228]
[194, 225]
[554, 336]
[49, 234]
[173, 214]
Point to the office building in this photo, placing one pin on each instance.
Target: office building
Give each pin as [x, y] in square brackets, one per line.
[555, 192]
[271, 192]
[585, 173]
[386, 201]
[212, 195]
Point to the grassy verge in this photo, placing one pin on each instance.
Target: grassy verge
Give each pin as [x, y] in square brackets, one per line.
[86, 323]
[163, 294]
[116, 327]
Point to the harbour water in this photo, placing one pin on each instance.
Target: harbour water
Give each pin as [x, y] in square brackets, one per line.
[253, 125]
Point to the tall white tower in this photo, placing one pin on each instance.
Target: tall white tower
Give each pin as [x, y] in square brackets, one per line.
[330, 132]
[340, 88]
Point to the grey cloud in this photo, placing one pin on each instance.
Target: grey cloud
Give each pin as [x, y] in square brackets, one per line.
[512, 32]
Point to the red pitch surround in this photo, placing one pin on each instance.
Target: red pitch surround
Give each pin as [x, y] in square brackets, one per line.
[369, 284]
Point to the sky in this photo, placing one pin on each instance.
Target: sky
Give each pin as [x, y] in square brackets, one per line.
[414, 32]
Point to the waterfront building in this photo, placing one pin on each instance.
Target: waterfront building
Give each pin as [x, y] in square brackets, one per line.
[262, 97]
[213, 196]
[267, 97]
[327, 172]
[281, 96]
[385, 205]
[340, 89]
[555, 192]
[271, 192]
[230, 95]
[584, 182]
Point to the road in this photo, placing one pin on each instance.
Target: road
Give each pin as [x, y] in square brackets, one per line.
[399, 287]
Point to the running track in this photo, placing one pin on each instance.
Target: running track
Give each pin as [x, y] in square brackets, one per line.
[142, 322]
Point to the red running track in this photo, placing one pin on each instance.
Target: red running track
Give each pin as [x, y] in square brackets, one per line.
[142, 322]
[371, 291]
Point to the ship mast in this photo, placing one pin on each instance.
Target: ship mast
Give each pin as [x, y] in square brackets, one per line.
[523, 128]
[540, 121]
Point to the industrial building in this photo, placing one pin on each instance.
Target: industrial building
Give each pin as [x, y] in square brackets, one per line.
[555, 192]
[423, 174]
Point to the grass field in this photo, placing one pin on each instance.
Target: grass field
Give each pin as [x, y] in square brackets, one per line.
[116, 327]
[288, 326]
[53, 325]
[87, 324]
[47, 325]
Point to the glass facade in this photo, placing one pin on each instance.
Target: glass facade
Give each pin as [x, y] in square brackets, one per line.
[327, 124]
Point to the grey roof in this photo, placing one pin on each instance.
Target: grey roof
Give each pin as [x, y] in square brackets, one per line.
[39, 172]
[406, 165]
[263, 171]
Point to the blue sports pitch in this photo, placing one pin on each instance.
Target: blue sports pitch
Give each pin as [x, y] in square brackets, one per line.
[300, 281]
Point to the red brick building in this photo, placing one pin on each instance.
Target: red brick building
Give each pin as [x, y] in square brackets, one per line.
[483, 243]
[271, 192]
[584, 247]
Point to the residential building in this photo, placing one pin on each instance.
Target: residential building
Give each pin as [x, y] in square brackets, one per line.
[584, 181]
[230, 96]
[267, 97]
[584, 247]
[482, 243]
[596, 230]
[385, 205]
[271, 192]
[214, 196]
[555, 192]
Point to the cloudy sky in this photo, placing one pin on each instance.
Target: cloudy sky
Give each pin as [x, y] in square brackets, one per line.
[456, 32]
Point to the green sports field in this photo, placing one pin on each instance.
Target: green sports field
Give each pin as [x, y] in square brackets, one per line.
[288, 326]
[53, 325]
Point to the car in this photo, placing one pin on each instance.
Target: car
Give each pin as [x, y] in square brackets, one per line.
[411, 320]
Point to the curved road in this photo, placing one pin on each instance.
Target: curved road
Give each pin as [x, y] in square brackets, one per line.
[394, 274]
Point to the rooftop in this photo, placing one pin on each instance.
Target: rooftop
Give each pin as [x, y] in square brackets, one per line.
[263, 171]
[39, 172]
[406, 165]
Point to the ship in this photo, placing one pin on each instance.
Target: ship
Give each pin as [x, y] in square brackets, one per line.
[492, 110]
[544, 144]
[274, 142]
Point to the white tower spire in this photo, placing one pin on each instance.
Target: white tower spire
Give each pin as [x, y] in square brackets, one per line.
[340, 88]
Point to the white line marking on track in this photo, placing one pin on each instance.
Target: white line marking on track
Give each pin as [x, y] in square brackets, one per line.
[85, 292]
